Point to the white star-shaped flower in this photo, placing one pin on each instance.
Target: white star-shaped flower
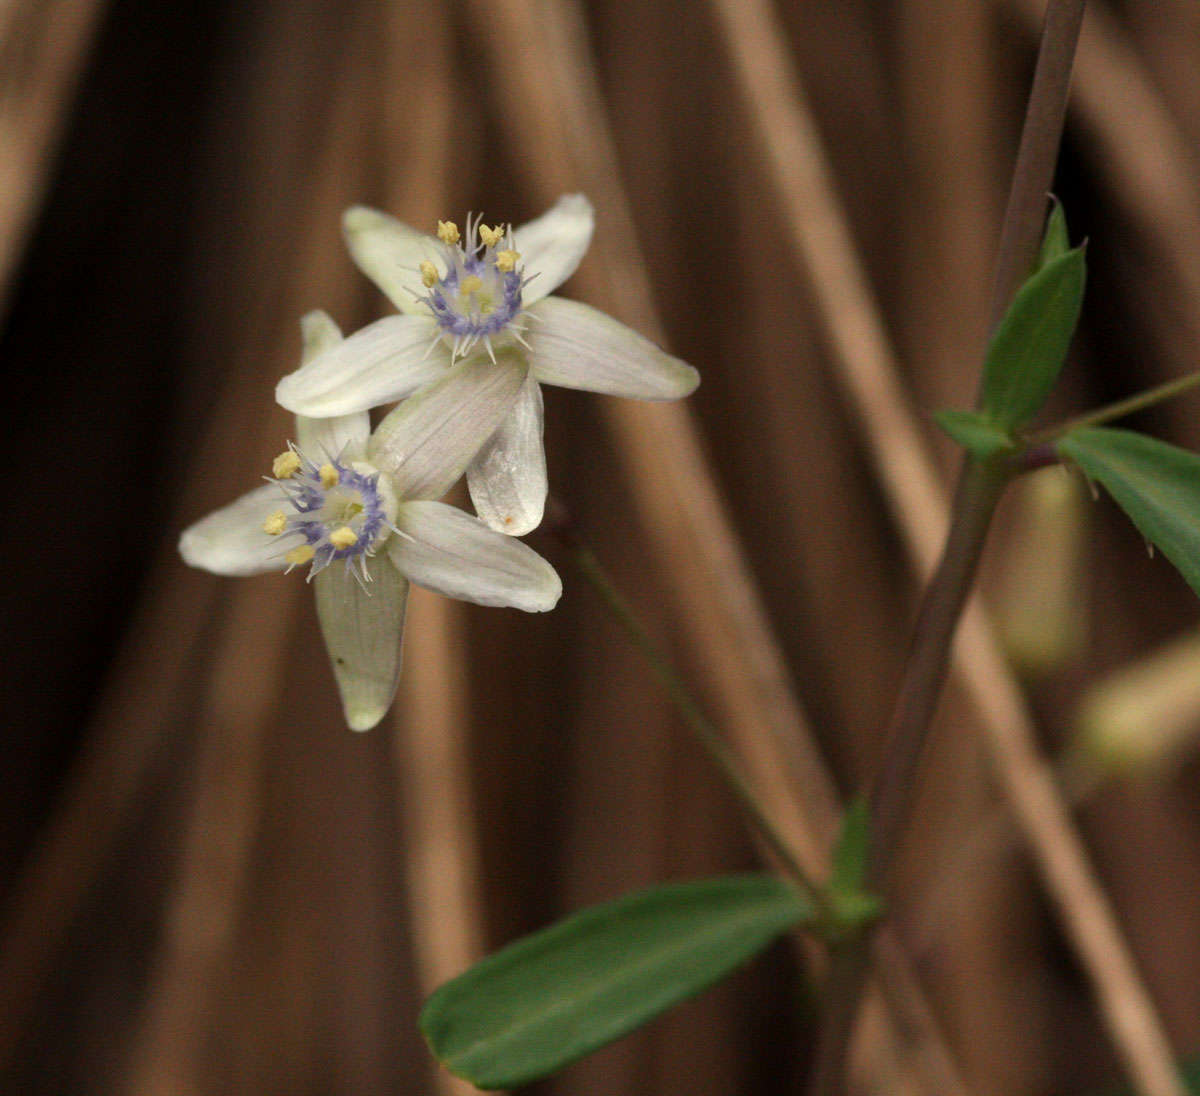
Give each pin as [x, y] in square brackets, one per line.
[357, 508]
[477, 296]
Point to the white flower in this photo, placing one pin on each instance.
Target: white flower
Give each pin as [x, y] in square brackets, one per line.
[357, 508]
[476, 296]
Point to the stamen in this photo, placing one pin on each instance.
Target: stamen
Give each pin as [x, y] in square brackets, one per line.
[506, 260]
[429, 274]
[343, 538]
[286, 465]
[472, 283]
[447, 232]
[275, 524]
[298, 557]
[491, 236]
[329, 476]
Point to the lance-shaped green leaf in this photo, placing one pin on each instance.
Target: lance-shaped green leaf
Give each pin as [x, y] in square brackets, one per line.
[553, 997]
[1030, 345]
[974, 431]
[853, 847]
[1056, 242]
[852, 904]
[1156, 484]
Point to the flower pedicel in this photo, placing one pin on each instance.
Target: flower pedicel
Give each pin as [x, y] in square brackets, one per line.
[356, 509]
[484, 298]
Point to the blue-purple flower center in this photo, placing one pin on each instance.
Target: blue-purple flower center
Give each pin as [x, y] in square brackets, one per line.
[340, 510]
[478, 298]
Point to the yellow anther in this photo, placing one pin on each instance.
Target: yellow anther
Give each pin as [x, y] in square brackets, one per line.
[429, 274]
[298, 557]
[286, 465]
[275, 524]
[345, 537]
[491, 236]
[328, 475]
[447, 232]
[472, 283]
[506, 260]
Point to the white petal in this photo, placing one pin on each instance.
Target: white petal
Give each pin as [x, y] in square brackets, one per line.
[384, 362]
[455, 554]
[427, 442]
[552, 246]
[508, 478]
[231, 541]
[576, 346]
[320, 332]
[389, 252]
[363, 623]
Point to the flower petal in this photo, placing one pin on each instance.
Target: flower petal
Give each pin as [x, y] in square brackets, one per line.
[363, 624]
[508, 477]
[427, 442]
[552, 246]
[577, 346]
[455, 554]
[384, 362]
[231, 541]
[389, 252]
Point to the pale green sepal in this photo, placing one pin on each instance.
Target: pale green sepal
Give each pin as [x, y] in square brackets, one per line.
[341, 437]
[427, 442]
[507, 479]
[319, 332]
[1156, 484]
[363, 624]
[552, 246]
[390, 253]
[975, 432]
[1030, 345]
[576, 346]
[452, 553]
[553, 997]
[231, 541]
[1055, 242]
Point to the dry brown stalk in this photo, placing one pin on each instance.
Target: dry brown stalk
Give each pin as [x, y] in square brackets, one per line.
[560, 127]
[203, 909]
[823, 246]
[432, 719]
[43, 46]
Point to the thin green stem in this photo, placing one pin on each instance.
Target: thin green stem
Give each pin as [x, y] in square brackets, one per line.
[979, 489]
[1118, 410]
[690, 711]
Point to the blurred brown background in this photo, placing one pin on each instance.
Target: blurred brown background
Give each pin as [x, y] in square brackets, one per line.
[209, 885]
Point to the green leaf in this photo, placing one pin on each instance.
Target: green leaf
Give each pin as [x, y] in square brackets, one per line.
[1056, 242]
[1030, 345]
[974, 431]
[852, 849]
[553, 997]
[1156, 484]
